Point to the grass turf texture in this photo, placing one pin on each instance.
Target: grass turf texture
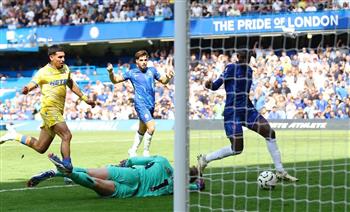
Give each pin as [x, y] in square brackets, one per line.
[320, 159]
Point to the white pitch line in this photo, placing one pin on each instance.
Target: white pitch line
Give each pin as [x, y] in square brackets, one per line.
[36, 188]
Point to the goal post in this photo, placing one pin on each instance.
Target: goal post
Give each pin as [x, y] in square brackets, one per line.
[181, 107]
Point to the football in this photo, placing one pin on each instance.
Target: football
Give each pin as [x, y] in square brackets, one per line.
[267, 180]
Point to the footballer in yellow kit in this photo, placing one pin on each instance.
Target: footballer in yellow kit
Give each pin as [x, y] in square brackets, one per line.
[53, 80]
[52, 83]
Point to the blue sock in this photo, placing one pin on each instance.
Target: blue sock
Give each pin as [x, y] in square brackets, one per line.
[67, 162]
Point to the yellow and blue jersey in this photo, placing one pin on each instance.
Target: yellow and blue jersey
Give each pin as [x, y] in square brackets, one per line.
[52, 83]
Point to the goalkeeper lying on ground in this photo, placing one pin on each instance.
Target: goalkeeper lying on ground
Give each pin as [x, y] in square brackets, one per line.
[137, 176]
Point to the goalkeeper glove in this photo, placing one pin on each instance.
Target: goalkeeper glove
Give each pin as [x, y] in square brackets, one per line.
[200, 184]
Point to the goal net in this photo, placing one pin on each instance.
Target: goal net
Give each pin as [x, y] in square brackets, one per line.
[300, 84]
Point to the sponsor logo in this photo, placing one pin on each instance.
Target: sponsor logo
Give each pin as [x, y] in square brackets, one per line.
[58, 82]
[298, 125]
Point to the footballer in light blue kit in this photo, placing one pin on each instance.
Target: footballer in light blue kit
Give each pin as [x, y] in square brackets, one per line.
[239, 111]
[143, 80]
[136, 176]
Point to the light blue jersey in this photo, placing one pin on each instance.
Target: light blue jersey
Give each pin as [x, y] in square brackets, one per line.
[144, 85]
[144, 90]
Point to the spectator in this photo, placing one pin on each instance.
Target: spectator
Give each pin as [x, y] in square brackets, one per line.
[296, 97]
[273, 114]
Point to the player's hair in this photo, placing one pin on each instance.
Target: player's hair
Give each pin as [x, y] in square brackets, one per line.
[194, 173]
[244, 56]
[53, 49]
[141, 53]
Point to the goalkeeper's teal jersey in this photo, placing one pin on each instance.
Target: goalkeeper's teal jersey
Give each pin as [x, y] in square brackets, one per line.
[156, 175]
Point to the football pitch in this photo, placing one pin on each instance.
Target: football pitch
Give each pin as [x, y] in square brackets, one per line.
[320, 159]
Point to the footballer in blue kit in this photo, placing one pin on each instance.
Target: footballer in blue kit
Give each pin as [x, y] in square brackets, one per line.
[239, 111]
[143, 80]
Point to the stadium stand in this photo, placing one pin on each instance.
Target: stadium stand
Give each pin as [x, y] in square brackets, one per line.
[308, 85]
[29, 13]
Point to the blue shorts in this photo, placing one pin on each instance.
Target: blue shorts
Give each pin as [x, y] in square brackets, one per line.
[144, 114]
[235, 120]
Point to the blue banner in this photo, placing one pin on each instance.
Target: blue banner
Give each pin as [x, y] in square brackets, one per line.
[274, 23]
[252, 24]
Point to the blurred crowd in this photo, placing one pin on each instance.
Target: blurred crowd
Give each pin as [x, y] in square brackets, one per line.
[310, 84]
[29, 13]
[240, 7]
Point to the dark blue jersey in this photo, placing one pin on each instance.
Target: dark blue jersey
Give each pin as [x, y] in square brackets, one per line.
[144, 84]
[237, 80]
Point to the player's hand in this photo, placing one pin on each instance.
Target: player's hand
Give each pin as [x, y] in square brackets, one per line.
[91, 103]
[170, 74]
[122, 163]
[25, 90]
[109, 67]
[200, 184]
[208, 84]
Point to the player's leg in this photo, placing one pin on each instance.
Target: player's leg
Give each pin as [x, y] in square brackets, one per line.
[81, 176]
[262, 127]
[148, 137]
[137, 139]
[42, 176]
[45, 139]
[61, 129]
[101, 186]
[234, 132]
[126, 180]
[146, 120]
[95, 179]
[40, 145]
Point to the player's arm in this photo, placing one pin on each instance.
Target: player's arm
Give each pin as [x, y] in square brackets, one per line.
[198, 185]
[164, 79]
[29, 87]
[34, 83]
[214, 85]
[136, 161]
[75, 89]
[115, 78]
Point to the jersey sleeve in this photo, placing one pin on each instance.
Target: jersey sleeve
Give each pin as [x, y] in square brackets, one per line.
[193, 187]
[219, 81]
[37, 79]
[126, 74]
[156, 73]
[139, 161]
[68, 71]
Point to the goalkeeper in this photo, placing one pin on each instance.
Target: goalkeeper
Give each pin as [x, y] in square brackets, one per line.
[136, 176]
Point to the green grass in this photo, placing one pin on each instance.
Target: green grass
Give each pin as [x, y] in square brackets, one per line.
[319, 158]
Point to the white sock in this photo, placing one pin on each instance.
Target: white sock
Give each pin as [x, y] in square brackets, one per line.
[275, 154]
[147, 142]
[221, 153]
[137, 141]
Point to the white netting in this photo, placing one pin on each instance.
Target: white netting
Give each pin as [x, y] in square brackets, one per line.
[301, 84]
